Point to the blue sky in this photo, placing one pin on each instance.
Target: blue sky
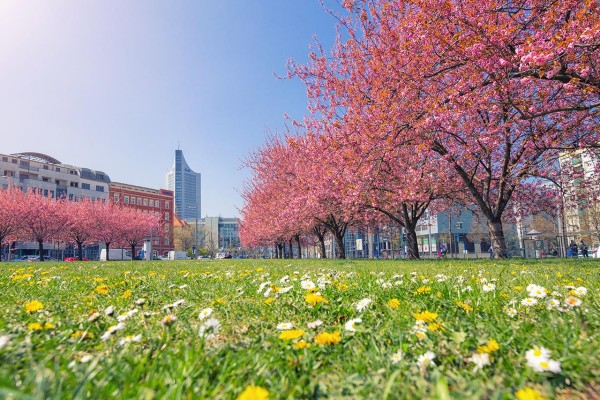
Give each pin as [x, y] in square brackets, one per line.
[117, 85]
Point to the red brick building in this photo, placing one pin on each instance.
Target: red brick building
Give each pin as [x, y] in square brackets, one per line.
[151, 201]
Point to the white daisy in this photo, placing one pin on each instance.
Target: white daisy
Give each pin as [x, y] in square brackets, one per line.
[205, 313]
[511, 312]
[572, 301]
[397, 357]
[169, 320]
[580, 291]
[285, 326]
[552, 303]
[364, 303]
[140, 302]
[209, 329]
[4, 339]
[350, 325]
[314, 324]
[480, 360]
[426, 359]
[110, 310]
[536, 354]
[307, 285]
[529, 301]
[489, 287]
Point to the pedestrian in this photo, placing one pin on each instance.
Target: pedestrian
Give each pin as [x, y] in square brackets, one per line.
[491, 250]
[573, 248]
[584, 249]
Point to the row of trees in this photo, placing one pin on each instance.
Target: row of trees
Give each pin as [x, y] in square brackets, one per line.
[32, 217]
[422, 104]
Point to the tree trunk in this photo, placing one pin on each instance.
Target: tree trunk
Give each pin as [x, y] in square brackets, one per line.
[281, 248]
[291, 248]
[412, 247]
[299, 247]
[132, 251]
[107, 251]
[320, 231]
[80, 250]
[498, 240]
[339, 244]
[41, 249]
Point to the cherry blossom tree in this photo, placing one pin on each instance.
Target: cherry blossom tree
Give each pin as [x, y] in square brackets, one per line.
[137, 226]
[11, 208]
[109, 224]
[42, 218]
[79, 222]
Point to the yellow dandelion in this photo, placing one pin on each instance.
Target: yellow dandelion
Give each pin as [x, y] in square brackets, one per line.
[464, 306]
[489, 348]
[314, 298]
[423, 289]
[102, 289]
[82, 335]
[48, 325]
[325, 338]
[436, 327]
[291, 334]
[126, 294]
[35, 326]
[302, 344]
[254, 393]
[529, 394]
[425, 316]
[33, 306]
[394, 303]
[269, 300]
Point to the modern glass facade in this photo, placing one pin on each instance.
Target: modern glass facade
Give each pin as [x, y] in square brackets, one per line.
[186, 184]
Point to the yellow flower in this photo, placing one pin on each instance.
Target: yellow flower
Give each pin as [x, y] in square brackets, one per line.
[20, 277]
[126, 294]
[269, 300]
[259, 269]
[48, 325]
[34, 326]
[218, 301]
[394, 303]
[423, 289]
[464, 306]
[313, 299]
[489, 348]
[328, 338]
[291, 334]
[33, 306]
[102, 289]
[254, 393]
[518, 288]
[425, 316]
[528, 394]
[435, 327]
[82, 335]
[302, 345]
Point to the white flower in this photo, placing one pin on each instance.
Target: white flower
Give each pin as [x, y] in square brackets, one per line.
[85, 359]
[262, 286]
[364, 303]
[511, 312]
[529, 301]
[386, 285]
[140, 302]
[425, 359]
[285, 326]
[205, 313]
[209, 329]
[314, 324]
[4, 339]
[307, 285]
[169, 320]
[94, 317]
[537, 291]
[284, 279]
[536, 354]
[110, 310]
[480, 360]
[468, 288]
[489, 287]
[397, 357]
[541, 364]
[572, 301]
[580, 291]
[552, 303]
[285, 289]
[350, 325]
[178, 303]
[111, 330]
[127, 315]
[130, 339]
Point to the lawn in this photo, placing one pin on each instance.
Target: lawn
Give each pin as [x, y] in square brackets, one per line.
[300, 329]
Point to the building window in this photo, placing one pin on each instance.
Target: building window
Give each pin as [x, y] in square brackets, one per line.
[74, 184]
[167, 205]
[5, 159]
[14, 161]
[116, 198]
[157, 203]
[139, 201]
[71, 196]
[459, 225]
[146, 202]
[126, 199]
[85, 186]
[72, 172]
[99, 188]
[57, 169]
[166, 216]
[166, 241]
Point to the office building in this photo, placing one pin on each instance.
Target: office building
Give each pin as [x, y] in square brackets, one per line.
[186, 186]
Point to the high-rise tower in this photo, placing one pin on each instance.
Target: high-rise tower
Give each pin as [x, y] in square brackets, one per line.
[186, 184]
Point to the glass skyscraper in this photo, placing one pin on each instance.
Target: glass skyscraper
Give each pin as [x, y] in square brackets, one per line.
[185, 183]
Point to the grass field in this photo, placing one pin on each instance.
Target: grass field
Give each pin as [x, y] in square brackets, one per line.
[300, 329]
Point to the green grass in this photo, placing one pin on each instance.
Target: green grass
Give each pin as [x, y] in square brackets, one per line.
[175, 362]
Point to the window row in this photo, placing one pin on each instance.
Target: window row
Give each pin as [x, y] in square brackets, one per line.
[141, 201]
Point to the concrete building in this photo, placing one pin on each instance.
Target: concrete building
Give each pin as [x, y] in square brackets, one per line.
[219, 234]
[151, 201]
[186, 185]
[52, 178]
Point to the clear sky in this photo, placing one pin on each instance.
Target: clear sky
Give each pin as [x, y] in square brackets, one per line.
[116, 86]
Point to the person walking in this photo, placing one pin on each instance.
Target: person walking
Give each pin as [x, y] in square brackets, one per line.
[491, 251]
[583, 248]
[573, 248]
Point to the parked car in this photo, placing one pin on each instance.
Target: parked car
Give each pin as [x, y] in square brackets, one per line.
[71, 259]
[595, 252]
[27, 258]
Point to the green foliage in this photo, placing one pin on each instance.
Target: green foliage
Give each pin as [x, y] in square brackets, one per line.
[67, 358]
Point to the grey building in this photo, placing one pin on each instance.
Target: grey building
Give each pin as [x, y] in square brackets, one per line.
[186, 185]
